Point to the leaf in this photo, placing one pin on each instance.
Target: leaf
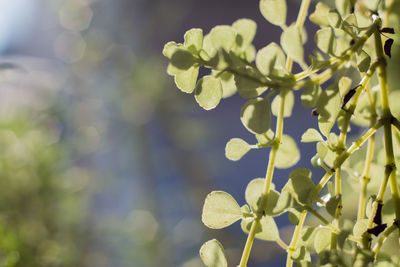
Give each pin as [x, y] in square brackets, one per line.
[325, 40]
[283, 203]
[193, 40]
[208, 92]
[236, 148]
[320, 14]
[267, 229]
[249, 88]
[289, 103]
[344, 86]
[388, 47]
[246, 30]
[288, 153]
[310, 95]
[328, 107]
[322, 239]
[254, 197]
[170, 48]
[274, 11]
[212, 254]
[343, 6]
[220, 210]
[208, 47]
[311, 135]
[360, 227]
[228, 84]
[223, 36]
[292, 44]
[256, 115]
[332, 204]
[265, 138]
[301, 254]
[182, 59]
[301, 187]
[293, 216]
[270, 57]
[334, 18]
[363, 61]
[186, 80]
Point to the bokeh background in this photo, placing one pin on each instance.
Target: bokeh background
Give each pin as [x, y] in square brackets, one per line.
[103, 161]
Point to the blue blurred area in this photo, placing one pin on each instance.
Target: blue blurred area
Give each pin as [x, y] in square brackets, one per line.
[148, 153]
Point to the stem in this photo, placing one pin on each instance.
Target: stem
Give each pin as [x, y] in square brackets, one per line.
[382, 238]
[249, 243]
[295, 239]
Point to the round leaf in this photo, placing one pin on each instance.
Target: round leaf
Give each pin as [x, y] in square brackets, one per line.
[320, 14]
[311, 135]
[220, 210]
[186, 80]
[246, 30]
[325, 40]
[256, 115]
[270, 57]
[182, 59]
[289, 103]
[310, 95]
[193, 40]
[288, 153]
[208, 92]
[292, 44]
[360, 227]
[266, 230]
[223, 36]
[236, 148]
[322, 239]
[212, 254]
[301, 187]
[274, 11]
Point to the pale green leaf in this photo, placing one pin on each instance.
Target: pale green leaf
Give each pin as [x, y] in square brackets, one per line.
[193, 40]
[256, 115]
[236, 148]
[292, 44]
[311, 135]
[332, 204]
[182, 59]
[360, 227]
[325, 40]
[363, 61]
[310, 95]
[249, 88]
[265, 138]
[289, 103]
[250, 53]
[254, 197]
[322, 239]
[223, 36]
[208, 92]
[212, 254]
[186, 80]
[344, 86]
[334, 19]
[320, 14]
[220, 210]
[274, 11]
[344, 6]
[301, 254]
[283, 203]
[228, 84]
[288, 153]
[372, 4]
[208, 46]
[328, 107]
[170, 48]
[301, 187]
[270, 57]
[322, 150]
[267, 229]
[246, 30]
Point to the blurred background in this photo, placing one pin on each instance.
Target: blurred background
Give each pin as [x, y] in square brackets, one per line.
[104, 162]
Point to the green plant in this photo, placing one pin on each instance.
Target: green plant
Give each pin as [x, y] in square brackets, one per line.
[350, 43]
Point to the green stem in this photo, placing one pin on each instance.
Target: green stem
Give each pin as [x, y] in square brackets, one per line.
[295, 239]
[382, 238]
[249, 243]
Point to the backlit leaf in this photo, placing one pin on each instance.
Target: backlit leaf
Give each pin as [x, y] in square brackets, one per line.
[363, 61]
[256, 115]
[194, 40]
[311, 135]
[301, 187]
[360, 227]
[220, 210]
[208, 92]
[274, 11]
[182, 59]
[310, 95]
[289, 103]
[325, 40]
[170, 48]
[288, 153]
[322, 239]
[186, 80]
[223, 36]
[320, 14]
[266, 230]
[249, 88]
[292, 44]
[332, 204]
[246, 30]
[212, 254]
[236, 148]
[254, 193]
[270, 57]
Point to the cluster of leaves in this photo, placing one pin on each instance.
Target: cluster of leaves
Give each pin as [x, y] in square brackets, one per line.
[345, 43]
